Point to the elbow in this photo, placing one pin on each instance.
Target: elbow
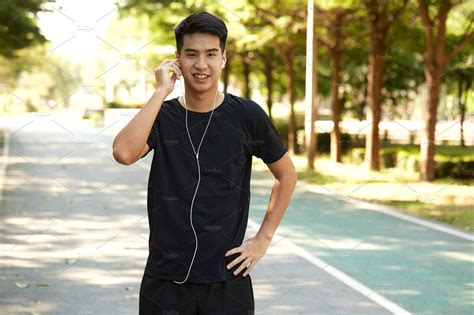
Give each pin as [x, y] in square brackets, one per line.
[121, 157]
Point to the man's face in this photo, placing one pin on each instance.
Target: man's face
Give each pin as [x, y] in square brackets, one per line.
[201, 54]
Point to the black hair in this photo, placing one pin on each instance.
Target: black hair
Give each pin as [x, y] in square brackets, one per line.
[202, 22]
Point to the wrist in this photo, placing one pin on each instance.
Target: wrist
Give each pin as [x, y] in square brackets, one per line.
[264, 235]
[160, 92]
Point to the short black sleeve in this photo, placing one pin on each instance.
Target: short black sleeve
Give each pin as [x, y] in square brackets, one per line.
[152, 137]
[265, 142]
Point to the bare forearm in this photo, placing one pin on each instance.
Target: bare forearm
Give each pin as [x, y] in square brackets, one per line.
[130, 141]
[279, 199]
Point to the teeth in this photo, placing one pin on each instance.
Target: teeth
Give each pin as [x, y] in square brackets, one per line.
[201, 76]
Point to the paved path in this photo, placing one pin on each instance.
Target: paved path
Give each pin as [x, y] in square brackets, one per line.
[74, 240]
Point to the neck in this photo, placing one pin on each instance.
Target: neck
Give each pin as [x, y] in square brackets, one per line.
[203, 102]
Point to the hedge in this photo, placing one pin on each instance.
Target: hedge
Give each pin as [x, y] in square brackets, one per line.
[447, 164]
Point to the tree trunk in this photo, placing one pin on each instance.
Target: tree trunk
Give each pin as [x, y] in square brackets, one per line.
[290, 77]
[436, 59]
[462, 105]
[246, 74]
[311, 87]
[268, 70]
[335, 56]
[336, 132]
[427, 146]
[374, 93]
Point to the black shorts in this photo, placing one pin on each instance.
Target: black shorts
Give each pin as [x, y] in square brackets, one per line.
[164, 297]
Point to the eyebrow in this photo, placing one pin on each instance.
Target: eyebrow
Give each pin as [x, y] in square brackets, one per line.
[194, 50]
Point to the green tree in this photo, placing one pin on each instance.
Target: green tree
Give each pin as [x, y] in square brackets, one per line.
[434, 15]
[380, 17]
[459, 84]
[332, 37]
[251, 43]
[18, 26]
[286, 31]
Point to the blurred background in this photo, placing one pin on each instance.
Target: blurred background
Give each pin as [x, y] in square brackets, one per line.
[373, 98]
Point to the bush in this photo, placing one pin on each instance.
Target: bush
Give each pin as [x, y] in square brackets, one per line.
[323, 142]
[389, 159]
[464, 170]
[456, 168]
[444, 169]
[459, 166]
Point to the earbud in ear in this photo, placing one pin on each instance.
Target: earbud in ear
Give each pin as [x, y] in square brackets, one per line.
[223, 65]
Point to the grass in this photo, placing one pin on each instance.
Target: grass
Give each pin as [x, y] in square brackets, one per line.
[441, 150]
[461, 216]
[446, 200]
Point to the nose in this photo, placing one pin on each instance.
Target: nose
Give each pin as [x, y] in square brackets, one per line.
[201, 62]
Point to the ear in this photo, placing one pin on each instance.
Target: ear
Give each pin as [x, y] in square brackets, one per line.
[177, 55]
[224, 58]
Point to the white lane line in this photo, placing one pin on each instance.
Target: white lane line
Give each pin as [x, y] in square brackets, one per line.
[392, 212]
[3, 169]
[338, 274]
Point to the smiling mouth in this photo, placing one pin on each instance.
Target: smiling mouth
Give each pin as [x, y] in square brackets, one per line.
[201, 76]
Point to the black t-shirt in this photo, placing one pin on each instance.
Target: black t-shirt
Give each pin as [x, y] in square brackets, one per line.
[239, 129]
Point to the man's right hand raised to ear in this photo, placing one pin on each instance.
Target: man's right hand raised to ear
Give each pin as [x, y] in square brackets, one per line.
[130, 144]
[162, 75]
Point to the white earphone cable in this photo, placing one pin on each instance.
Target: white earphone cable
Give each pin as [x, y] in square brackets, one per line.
[199, 173]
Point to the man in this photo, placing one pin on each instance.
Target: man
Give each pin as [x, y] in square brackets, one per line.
[199, 182]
